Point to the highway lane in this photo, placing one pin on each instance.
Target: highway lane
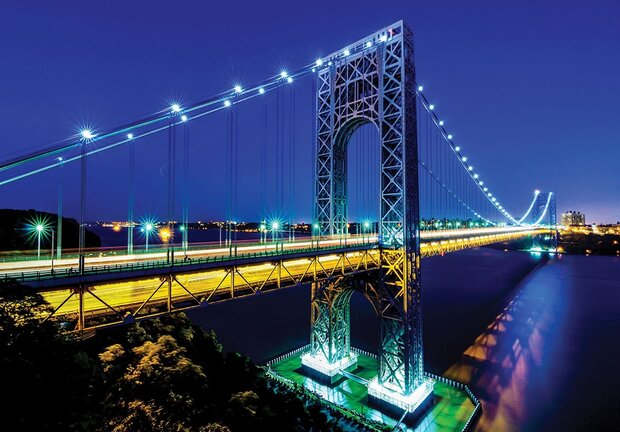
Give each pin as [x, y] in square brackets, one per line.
[113, 258]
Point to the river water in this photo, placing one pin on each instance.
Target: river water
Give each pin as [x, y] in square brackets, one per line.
[535, 337]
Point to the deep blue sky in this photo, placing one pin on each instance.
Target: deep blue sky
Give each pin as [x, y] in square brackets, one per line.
[530, 89]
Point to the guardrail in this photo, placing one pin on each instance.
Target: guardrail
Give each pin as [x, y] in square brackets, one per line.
[187, 261]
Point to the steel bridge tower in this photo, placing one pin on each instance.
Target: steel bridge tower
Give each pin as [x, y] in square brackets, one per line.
[544, 213]
[372, 81]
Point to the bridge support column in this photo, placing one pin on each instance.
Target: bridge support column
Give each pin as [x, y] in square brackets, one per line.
[330, 351]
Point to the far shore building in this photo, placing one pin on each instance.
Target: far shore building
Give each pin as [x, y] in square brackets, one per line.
[571, 217]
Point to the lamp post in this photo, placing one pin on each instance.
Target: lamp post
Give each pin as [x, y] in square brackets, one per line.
[365, 230]
[275, 226]
[40, 228]
[147, 231]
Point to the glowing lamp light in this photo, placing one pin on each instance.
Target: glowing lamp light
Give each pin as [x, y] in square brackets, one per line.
[480, 182]
[464, 159]
[283, 74]
[289, 80]
[319, 62]
[441, 122]
[536, 192]
[129, 136]
[238, 89]
[485, 189]
[420, 88]
[87, 134]
[490, 194]
[383, 38]
[431, 107]
[471, 168]
[368, 44]
[476, 176]
[175, 108]
[366, 224]
[59, 158]
[346, 52]
[39, 228]
[316, 226]
[275, 225]
[457, 148]
[184, 118]
[449, 136]
[227, 103]
[261, 91]
[148, 227]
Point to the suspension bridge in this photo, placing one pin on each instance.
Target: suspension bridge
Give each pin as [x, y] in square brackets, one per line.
[407, 193]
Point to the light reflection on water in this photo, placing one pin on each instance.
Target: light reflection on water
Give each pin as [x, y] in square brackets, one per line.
[537, 366]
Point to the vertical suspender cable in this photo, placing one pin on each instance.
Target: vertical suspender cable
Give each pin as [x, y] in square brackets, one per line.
[130, 203]
[59, 213]
[186, 181]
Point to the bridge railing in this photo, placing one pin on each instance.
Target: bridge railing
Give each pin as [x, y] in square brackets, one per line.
[176, 263]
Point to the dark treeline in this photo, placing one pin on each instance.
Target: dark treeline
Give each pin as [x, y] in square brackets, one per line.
[159, 375]
[18, 231]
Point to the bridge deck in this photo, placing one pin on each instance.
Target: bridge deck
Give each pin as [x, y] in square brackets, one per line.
[118, 289]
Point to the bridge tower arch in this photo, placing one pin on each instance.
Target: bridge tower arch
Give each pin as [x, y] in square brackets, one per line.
[373, 80]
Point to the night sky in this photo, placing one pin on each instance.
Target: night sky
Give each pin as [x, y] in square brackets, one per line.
[530, 90]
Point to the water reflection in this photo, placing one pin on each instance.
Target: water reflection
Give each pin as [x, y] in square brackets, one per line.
[514, 349]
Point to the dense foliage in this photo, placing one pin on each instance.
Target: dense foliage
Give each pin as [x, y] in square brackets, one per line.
[158, 375]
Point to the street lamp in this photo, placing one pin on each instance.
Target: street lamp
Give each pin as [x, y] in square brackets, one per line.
[39, 228]
[275, 226]
[148, 227]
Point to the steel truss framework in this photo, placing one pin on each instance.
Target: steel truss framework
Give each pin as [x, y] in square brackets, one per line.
[373, 83]
[95, 306]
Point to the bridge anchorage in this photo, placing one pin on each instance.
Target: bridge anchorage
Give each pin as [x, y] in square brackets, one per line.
[374, 84]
